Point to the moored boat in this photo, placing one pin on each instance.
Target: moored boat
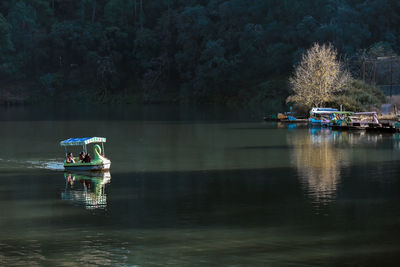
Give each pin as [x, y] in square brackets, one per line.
[365, 119]
[340, 119]
[321, 116]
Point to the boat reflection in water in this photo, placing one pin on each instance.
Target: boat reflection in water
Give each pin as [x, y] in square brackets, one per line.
[319, 163]
[86, 189]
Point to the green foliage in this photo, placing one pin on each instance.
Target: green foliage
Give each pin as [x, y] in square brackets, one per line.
[145, 46]
[381, 49]
[360, 97]
[6, 46]
[5, 41]
[269, 96]
[194, 51]
[47, 82]
[118, 12]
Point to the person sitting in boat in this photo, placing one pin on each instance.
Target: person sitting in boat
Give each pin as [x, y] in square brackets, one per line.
[87, 158]
[70, 158]
[82, 156]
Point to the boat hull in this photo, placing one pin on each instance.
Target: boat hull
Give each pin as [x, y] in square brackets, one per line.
[319, 122]
[382, 129]
[98, 167]
[101, 165]
[348, 127]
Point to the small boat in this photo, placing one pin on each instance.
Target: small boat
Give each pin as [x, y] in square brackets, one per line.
[293, 119]
[99, 161]
[288, 117]
[365, 119]
[370, 121]
[282, 117]
[340, 120]
[321, 116]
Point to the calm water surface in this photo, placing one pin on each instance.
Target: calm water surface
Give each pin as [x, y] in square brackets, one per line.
[196, 188]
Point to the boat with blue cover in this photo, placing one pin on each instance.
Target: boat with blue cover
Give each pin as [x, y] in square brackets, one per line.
[321, 116]
[99, 161]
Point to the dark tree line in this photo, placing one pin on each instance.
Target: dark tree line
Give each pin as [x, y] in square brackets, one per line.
[179, 50]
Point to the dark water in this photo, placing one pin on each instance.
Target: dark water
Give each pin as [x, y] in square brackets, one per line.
[196, 188]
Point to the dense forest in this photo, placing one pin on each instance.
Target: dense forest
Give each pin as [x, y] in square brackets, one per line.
[169, 51]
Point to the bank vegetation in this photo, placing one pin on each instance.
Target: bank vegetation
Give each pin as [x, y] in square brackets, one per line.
[227, 52]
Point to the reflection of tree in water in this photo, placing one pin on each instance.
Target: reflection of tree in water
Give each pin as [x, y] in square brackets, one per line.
[86, 190]
[318, 163]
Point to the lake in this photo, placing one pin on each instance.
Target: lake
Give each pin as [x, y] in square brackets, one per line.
[192, 187]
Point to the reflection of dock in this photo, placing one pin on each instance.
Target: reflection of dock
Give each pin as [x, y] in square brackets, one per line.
[321, 154]
[319, 163]
[86, 190]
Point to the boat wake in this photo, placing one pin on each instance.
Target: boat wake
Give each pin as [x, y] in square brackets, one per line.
[50, 164]
[47, 164]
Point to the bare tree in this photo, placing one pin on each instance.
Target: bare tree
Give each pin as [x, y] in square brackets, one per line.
[318, 77]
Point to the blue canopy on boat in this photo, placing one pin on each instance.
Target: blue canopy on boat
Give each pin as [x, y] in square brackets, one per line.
[322, 110]
[326, 109]
[82, 141]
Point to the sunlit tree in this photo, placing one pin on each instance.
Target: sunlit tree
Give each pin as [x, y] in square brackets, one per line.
[318, 77]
